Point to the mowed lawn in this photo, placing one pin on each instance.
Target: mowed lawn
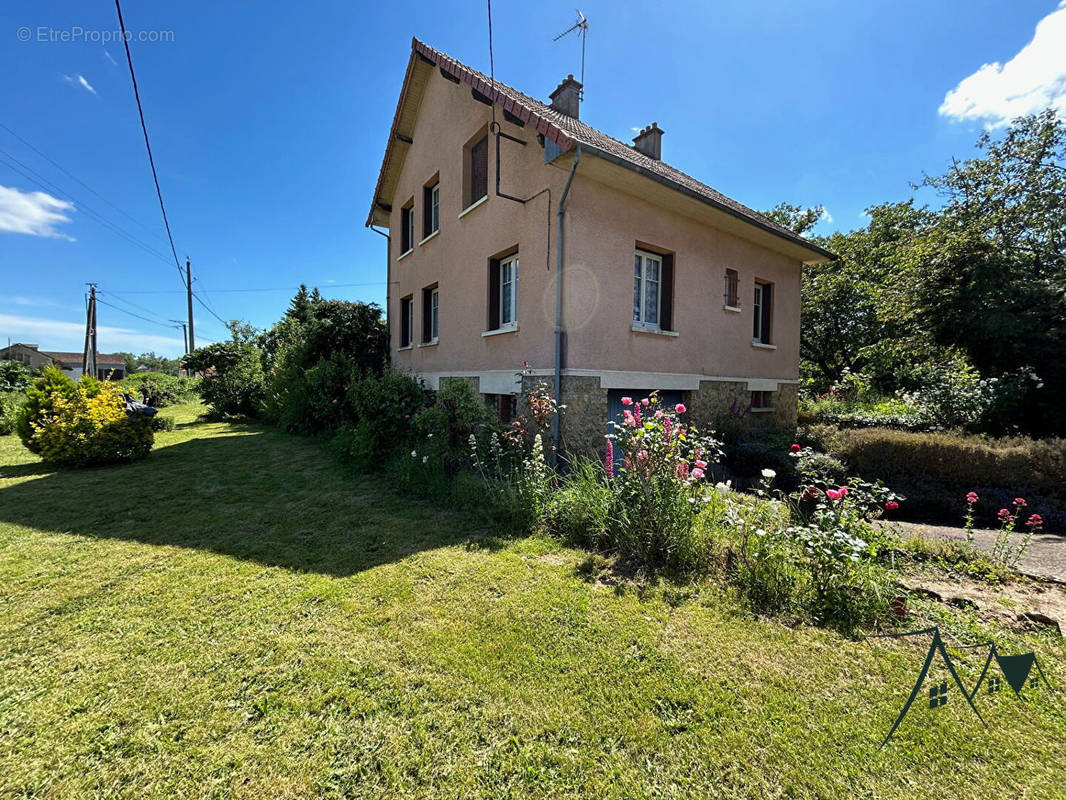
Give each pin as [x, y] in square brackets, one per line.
[237, 616]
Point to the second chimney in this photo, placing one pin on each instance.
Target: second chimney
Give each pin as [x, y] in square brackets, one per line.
[650, 141]
[566, 99]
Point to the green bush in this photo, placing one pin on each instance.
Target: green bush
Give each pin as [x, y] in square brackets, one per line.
[10, 403]
[14, 376]
[936, 470]
[160, 390]
[444, 427]
[84, 424]
[40, 405]
[233, 378]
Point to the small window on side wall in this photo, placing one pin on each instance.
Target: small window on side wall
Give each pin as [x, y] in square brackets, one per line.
[476, 174]
[762, 313]
[430, 208]
[762, 401]
[503, 292]
[504, 405]
[407, 226]
[732, 289]
[407, 311]
[430, 314]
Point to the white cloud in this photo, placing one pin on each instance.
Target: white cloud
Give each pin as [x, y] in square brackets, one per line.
[79, 80]
[111, 58]
[825, 217]
[69, 336]
[19, 300]
[1034, 79]
[35, 213]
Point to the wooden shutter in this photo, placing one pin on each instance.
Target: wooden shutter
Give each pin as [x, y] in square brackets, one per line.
[427, 211]
[479, 170]
[494, 294]
[666, 291]
[405, 322]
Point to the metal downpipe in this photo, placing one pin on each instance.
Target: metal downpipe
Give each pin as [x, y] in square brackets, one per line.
[559, 240]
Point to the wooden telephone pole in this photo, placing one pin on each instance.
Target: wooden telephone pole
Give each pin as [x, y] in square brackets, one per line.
[188, 293]
[88, 359]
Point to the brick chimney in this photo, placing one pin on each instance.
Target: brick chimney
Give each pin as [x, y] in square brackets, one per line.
[650, 141]
[566, 99]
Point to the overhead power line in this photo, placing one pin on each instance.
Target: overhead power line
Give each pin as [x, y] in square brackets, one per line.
[81, 183]
[147, 144]
[253, 289]
[138, 316]
[210, 310]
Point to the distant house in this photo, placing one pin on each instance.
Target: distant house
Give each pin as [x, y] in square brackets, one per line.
[108, 365]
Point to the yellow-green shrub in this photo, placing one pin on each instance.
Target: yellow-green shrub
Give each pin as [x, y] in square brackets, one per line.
[89, 426]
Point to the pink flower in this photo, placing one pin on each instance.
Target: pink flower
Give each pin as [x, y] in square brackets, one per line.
[609, 465]
[627, 401]
[1003, 515]
[642, 456]
[697, 473]
[843, 491]
[891, 505]
[644, 402]
[680, 408]
[701, 464]
[334, 401]
[1020, 502]
[1036, 522]
[971, 498]
[658, 414]
[795, 448]
[833, 494]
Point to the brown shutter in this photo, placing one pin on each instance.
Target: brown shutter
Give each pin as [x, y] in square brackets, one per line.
[494, 294]
[405, 322]
[666, 301]
[427, 315]
[479, 170]
[427, 210]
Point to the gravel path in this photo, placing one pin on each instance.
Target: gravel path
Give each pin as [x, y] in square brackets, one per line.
[1046, 557]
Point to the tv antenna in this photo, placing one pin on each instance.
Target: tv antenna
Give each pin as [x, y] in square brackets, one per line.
[582, 28]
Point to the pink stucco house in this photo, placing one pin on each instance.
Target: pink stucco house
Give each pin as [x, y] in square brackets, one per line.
[517, 233]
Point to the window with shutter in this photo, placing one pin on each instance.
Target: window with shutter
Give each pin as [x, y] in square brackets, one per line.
[762, 313]
[407, 226]
[653, 290]
[479, 171]
[732, 289]
[406, 320]
[503, 292]
[430, 209]
[430, 304]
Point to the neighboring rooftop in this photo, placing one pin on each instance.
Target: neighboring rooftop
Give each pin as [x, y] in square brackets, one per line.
[567, 132]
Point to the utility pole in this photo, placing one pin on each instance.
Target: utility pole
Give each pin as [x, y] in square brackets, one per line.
[191, 345]
[88, 360]
[184, 332]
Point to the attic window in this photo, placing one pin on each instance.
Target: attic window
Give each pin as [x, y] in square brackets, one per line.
[476, 172]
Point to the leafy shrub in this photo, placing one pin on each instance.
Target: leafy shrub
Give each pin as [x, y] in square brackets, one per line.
[935, 469]
[10, 403]
[444, 427]
[233, 378]
[159, 390]
[88, 426]
[39, 407]
[583, 510]
[384, 406]
[14, 376]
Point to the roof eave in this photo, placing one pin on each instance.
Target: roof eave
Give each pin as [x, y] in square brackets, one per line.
[797, 240]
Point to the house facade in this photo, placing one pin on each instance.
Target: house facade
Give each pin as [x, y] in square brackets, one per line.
[519, 234]
[108, 365]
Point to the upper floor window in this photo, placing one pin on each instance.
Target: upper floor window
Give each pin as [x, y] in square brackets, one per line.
[653, 290]
[732, 289]
[430, 314]
[476, 178]
[762, 312]
[407, 226]
[407, 319]
[503, 292]
[430, 208]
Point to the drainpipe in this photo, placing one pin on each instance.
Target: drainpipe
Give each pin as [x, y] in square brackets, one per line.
[557, 384]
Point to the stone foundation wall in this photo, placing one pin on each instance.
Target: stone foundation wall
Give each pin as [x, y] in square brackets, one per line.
[714, 406]
[472, 380]
[584, 420]
[786, 400]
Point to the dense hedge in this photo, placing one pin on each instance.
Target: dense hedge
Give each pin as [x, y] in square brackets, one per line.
[935, 470]
[160, 390]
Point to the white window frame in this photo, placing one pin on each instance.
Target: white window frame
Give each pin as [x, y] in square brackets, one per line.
[759, 298]
[509, 290]
[434, 210]
[640, 314]
[434, 315]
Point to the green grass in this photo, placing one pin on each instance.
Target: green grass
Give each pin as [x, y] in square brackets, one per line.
[237, 617]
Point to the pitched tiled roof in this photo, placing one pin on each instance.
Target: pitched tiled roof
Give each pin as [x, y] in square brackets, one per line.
[568, 132]
[74, 359]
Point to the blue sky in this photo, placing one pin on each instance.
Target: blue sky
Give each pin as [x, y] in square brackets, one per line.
[268, 121]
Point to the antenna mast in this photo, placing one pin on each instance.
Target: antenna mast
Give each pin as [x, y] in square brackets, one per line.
[582, 28]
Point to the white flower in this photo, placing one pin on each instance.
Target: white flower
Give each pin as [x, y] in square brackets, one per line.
[414, 454]
[429, 435]
[425, 459]
[724, 488]
[769, 473]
